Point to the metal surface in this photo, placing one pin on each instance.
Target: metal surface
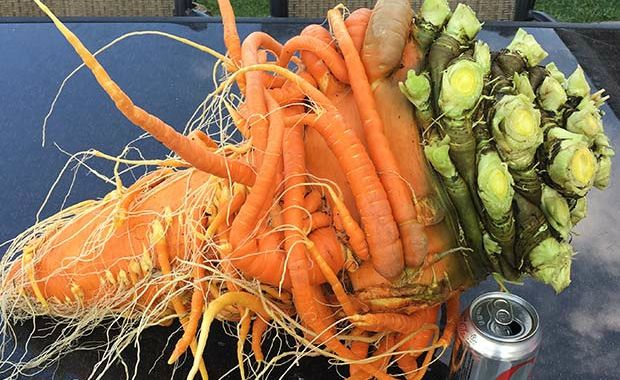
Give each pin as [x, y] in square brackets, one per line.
[497, 338]
[581, 325]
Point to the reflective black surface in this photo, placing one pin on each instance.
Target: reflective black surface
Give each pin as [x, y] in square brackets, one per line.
[581, 326]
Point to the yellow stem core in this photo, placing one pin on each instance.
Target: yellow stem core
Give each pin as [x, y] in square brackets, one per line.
[464, 81]
[521, 121]
[583, 165]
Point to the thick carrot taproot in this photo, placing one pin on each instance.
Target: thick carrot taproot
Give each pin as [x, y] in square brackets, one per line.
[94, 246]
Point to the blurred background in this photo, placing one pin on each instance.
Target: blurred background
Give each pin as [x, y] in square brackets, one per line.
[560, 10]
[538, 10]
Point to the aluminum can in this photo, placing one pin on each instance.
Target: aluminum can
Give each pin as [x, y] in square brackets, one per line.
[497, 338]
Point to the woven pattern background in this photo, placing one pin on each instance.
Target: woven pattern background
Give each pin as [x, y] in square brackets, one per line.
[485, 9]
[89, 8]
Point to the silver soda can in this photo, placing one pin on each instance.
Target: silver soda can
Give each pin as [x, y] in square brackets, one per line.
[497, 339]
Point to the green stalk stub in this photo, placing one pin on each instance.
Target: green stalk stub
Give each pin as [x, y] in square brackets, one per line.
[577, 85]
[551, 262]
[551, 94]
[555, 208]
[495, 185]
[437, 152]
[571, 164]
[417, 88]
[482, 55]
[461, 87]
[603, 174]
[586, 121]
[435, 12]
[516, 130]
[526, 45]
[522, 85]
[463, 25]
[579, 210]
[556, 73]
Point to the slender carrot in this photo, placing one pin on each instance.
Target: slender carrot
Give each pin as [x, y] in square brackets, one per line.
[191, 326]
[326, 81]
[356, 24]
[160, 245]
[452, 310]
[290, 93]
[240, 299]
[184, 147]
[254, 91]
[318, 220]
[359, 348]
[393, 321]
[249, 214]
[304, 293]
[202, 137]
[399, 195]
[231, 37]
[243, 328]
[258, 329]
[327, 53]
[345, 300]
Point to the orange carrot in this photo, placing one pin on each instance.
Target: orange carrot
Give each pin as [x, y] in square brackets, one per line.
[356, 24]
[313, 200]
[254, 90]
[318, 220]
[304, 294]
[388, 30]
[393, 321]
[399, 195]
[197, 304]
[231, 37]
[326, 81]
[359, 348]
[453, 312]
[175, 141]
[160, 245]
[320, 49]
[258, 329]
[249, 214]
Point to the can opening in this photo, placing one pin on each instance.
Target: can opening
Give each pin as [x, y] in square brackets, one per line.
[503, 317]
[512, 329]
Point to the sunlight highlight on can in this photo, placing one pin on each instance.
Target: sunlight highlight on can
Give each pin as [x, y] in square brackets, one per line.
[497, 339]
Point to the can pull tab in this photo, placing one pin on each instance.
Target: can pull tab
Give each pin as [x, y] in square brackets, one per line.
[502, 312]
[503, 322]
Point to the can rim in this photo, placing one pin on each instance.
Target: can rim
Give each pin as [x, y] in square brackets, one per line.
[511, 297]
